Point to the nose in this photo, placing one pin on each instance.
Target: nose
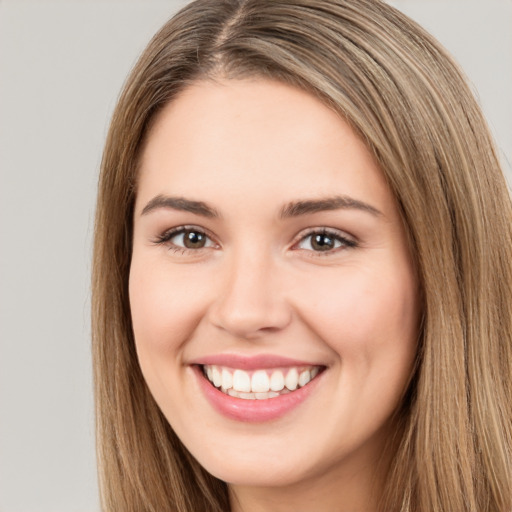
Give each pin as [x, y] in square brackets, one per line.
[251, 300]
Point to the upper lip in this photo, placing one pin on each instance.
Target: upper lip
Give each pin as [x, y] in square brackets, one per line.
[255, 362]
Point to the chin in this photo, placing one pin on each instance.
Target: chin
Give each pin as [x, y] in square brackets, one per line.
[254, 473]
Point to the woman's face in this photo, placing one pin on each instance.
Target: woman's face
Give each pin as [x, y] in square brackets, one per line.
[268, 253]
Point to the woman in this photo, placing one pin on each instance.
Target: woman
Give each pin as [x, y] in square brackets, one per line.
[303, 269]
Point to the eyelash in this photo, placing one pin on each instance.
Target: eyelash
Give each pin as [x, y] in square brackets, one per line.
[345, 242]
[166, 237]
[337, 236]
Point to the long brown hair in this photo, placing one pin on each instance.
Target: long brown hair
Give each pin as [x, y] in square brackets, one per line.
[403, 94]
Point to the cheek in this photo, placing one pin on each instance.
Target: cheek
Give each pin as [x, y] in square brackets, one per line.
[370, 321]
[363, 315]
[164, 309]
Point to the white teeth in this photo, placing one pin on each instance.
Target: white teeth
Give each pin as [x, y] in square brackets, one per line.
[227, 379]
[241, 381]
[260, 383]
[292, 379]
[304, 378]
[277, 381]
[217, 379]
[264, 396]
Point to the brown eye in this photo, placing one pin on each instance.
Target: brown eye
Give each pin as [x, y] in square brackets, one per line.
[194, 239]
[322, 242]
[186, 238]
[325, 241]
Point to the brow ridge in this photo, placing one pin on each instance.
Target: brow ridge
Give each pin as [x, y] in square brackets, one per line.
[309, 206]
[181, 204]
[291, 209]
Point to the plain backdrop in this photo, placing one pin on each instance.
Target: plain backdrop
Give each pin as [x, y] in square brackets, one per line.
[62, 64]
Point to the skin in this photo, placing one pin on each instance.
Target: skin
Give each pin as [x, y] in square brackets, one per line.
[248, 148]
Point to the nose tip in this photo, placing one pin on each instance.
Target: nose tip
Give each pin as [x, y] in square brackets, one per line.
[249, 323]
[251, 304]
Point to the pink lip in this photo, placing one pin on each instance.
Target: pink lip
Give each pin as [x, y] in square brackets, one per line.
[260, 361]
[253, 410]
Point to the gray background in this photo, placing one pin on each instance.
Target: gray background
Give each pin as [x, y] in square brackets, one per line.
[62, 64]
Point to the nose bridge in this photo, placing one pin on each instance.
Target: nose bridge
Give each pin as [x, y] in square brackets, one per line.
[250, 301]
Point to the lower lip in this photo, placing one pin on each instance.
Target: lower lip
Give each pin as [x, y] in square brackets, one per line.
[253, 410]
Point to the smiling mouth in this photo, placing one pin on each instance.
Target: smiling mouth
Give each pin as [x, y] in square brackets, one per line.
[260, 384]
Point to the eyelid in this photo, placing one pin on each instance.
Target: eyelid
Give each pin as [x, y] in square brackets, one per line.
[348, 241]
[166, 236]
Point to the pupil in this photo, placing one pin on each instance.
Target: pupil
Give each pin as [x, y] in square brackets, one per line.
[322, 242]
[194, 240]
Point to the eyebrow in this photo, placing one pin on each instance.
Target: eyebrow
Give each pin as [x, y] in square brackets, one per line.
[181, 204]
[308, 206]
[292, 209]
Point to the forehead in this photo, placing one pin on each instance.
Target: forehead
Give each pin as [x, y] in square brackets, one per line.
[236, 136]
